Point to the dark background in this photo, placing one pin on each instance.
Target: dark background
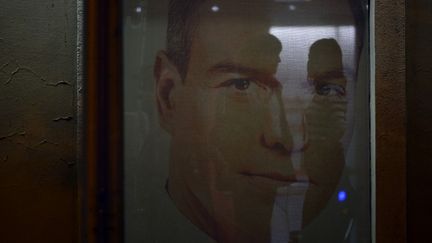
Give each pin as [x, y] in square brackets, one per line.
[419, 121]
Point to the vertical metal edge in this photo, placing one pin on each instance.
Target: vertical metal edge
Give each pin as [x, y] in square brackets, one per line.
[82, 212]
[372, 117]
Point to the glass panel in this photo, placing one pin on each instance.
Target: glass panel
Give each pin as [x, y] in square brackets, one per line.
[247, 121]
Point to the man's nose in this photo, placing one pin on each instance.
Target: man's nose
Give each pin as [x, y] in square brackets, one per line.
[276, 131]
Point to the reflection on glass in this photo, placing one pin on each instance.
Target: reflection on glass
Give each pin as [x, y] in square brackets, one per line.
[215, 8]
[241, 127]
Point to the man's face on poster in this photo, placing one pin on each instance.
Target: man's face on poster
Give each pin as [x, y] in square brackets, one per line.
[237, 138]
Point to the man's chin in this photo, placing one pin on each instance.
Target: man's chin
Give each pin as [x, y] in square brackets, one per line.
[242, 210]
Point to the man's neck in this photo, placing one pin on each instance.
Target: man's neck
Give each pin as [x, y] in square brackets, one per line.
[190, 207]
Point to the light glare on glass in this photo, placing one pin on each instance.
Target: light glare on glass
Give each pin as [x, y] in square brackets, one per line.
[342, 196]
[215, 8]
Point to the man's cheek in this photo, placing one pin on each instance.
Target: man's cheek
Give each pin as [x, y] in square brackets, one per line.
[194, 113]
[324, 163]
[235, 134]
[324, 156]
[237, 125]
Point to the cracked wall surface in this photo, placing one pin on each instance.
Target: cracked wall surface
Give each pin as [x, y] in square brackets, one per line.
[38, 121]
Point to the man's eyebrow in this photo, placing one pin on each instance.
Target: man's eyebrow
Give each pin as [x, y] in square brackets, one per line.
[229, 67]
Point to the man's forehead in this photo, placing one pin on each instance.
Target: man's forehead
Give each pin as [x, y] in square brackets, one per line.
[238, 23]
[246, 17]
[240, 30]
[242, 43]
[235, 14]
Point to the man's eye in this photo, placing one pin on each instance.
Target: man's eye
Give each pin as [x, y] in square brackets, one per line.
[240, 84]
[243, 85]
[330, 89]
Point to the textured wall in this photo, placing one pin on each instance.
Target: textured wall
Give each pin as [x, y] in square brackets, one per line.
[38, 200]
[390, 120]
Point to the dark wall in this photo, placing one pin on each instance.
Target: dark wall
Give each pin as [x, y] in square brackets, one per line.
[419, 136]
[38, 201]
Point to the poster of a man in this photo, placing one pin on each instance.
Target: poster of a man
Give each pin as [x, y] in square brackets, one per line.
[252, 157]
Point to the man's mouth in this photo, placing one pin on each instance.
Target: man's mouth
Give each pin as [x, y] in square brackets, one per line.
[278, 177]
[272, 176]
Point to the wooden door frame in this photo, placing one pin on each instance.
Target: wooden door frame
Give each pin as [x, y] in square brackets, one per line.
[102, 192]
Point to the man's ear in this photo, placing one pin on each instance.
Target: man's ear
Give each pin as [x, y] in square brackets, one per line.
[167, 80]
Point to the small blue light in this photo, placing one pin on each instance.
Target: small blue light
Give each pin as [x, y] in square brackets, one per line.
[342, 196]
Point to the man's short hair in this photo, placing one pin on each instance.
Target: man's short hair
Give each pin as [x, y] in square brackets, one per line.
[182, 22]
